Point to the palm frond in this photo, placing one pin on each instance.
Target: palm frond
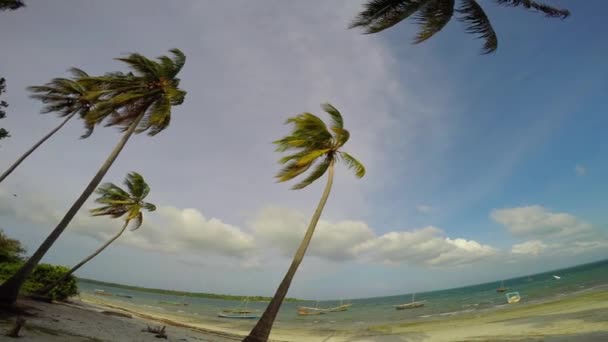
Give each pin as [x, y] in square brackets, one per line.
[342, 136]
[336, 117]
[118, 202]
[139, 220]
[478, 23]
[353, 164]
[378, 15]
[433, 16]
[311, 156]
[137, 186]
[548, 10]
[319, 171]
[291, 171]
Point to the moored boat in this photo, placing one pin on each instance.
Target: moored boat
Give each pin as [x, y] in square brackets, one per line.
[412, 305]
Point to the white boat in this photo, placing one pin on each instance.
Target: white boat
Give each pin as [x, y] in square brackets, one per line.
[557, 277]
[412, 305]
[339, 308]
[513, 297]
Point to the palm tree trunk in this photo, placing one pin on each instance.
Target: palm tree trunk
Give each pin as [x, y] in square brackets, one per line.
[10, 289]
[261, 331]
[48, 288]
[33, 148]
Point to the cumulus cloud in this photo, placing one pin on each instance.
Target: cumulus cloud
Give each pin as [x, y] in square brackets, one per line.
[168, 229]
[537, 221]
[533, 247]
[176, 230]
[550, 233]
[284, 228]
[426, 246]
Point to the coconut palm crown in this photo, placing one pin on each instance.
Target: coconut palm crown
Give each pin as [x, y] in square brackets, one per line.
[433, 15]
[117, 202]
[67, 96]
[151, 89]
[314, 143]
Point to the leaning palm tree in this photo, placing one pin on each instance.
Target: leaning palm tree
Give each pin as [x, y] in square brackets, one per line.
[313, 144]
[139, 101]
[116, 203]
[65, 96]
[433, 15]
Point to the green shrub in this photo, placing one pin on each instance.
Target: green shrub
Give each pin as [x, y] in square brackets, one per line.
[43, 275]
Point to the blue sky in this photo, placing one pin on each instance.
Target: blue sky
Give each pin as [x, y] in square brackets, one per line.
[479, 167]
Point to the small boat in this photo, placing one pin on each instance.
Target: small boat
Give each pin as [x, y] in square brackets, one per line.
[557, 277]
[238, 315]
[412, 305]
[102, 293]
[502, 287]
[123, 295]
[339, 308]
[513, 297]
[172, 303]
[306, 312]
[240, 312]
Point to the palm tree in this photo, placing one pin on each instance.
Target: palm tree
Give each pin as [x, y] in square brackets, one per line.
[116, 203]
[313, 144]
[64, 96]
[137, 102]
[433, 15]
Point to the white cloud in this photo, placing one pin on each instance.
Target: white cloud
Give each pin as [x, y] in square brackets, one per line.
[173, 230]
[168, 229]
[536, 221]
[551, 233]
[424, 209]
[284, 229]
[533, 247]
[581, 170]
[425, 246]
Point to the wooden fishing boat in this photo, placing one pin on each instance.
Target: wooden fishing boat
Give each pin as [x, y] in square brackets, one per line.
[172, 303]
[412, 305]
[102, 293]
[502, 287]
[238, 315]
[339, 308]
[306, 312]
[240, 312]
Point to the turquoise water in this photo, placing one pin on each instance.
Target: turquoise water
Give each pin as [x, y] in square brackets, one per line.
[369, 311]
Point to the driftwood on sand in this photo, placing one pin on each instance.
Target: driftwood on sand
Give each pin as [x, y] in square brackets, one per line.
[14, 331]
[158, 332]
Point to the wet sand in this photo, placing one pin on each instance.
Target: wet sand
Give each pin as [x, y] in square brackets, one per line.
[578, 317]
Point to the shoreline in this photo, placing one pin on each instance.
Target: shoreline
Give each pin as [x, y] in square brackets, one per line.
[582, 316]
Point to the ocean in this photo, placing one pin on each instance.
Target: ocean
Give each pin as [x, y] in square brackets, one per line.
[372, 311]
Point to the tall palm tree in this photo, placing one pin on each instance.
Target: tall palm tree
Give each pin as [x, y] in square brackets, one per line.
[139, 101]
[313, 144]
[116, 203]
[433, 15]
[65, 96]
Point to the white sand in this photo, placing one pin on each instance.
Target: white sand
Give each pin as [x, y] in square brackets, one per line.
[581, 318]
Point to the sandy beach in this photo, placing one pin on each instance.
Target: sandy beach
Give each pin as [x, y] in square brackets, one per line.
[582, 317]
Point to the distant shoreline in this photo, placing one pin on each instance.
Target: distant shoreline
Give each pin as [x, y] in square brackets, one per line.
[183, 293]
